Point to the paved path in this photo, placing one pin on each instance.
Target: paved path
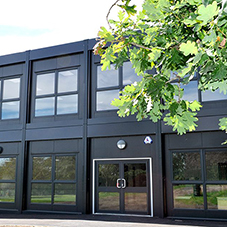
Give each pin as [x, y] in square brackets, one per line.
[44, 220]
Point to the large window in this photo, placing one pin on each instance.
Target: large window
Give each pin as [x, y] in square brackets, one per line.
[10, 98]
[110, 82]
[56, 93]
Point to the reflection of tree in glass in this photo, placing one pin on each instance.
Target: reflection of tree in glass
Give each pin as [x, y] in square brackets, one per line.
[42, 168]
[65, 168]
[108, 174]
[7, 168]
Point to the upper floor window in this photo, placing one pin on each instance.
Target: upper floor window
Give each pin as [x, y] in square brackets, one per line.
[56, 93]
[110, 82]
[10, 98]
[213, 96]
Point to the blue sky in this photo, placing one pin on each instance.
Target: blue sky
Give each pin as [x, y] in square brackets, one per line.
[28, 24]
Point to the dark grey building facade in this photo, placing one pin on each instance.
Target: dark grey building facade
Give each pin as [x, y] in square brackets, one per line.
[59, 136]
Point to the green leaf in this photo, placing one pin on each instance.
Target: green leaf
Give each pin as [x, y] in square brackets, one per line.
[154, 55]
[189, 48]
[223, 126]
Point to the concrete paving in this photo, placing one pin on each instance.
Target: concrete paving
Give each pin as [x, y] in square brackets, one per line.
[47, 220]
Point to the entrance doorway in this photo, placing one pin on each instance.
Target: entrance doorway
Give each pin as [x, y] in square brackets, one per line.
[122, 186]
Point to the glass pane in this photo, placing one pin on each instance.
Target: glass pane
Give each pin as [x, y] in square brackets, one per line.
[104, 99]
[44, 107]
[216, 165]
[213, 95]
[41, 193]
[10, 110]
[7, 168]
[135, 175]
[217, 197]
[11, 88]
[190, 91]
[108, 175]
[65, 168]
[67, 104]
[67, 80]
[188, 196]
[41, 168]
[186, 166]
[65, 194]
[108, 78]
[129, 75]
[136, 202]
[45, 84]
[7, 192]
[109, 201]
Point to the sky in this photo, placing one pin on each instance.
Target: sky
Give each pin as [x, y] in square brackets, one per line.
[33, 24]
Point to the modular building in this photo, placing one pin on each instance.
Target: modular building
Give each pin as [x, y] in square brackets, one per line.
[64, 149]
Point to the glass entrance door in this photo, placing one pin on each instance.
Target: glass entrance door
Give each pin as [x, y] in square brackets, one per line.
[122, 186]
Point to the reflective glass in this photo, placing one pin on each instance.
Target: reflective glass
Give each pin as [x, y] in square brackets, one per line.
[44, 107]
[65, 168]
[7, 192]
[129, 75]
[45, 84]
[188, 196]
[216, 165]
[41, 168]
[108, 78]
[104, 99]
[108, 175]
[217, 197]
[136, 202]
[65, 194]
[186, 166]
[10, 110]
[67, 80]
[212, 96]
[41, 193]
[191, 91]
[7, 168]
[11, 88]
[67, 104]
[135, 175]
[109, 201]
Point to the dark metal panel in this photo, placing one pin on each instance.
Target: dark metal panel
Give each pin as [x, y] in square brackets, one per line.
[39, 147]
[10, 148]
[13, 58]
[214, 139]
[67, 146]
[9, 136]
[91, 44]
[12, 70]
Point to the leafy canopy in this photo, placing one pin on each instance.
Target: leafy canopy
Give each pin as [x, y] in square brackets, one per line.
[176, 38]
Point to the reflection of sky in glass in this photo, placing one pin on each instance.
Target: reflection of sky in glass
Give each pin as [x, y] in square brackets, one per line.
[108, 78]
[67, 81]
[10, 110]
[45, 84]
[11, 88]
[212, 96]
[67, 104]
[104, 99]
[44, 107]
[129, 75]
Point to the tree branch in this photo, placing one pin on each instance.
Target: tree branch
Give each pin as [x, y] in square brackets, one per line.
[107, 16]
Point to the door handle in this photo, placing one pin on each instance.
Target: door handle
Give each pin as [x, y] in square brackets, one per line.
[124, 183]
[118, 183]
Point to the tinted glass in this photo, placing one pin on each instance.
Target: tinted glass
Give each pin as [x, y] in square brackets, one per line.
[217, 197]
[136, 202]
[108, 78]
[212, 96]
[190, 91]
[7, 168]
[186, 166]
[11, 88]
[7, 192]
[10, 110]
[104, 99]
[135, 175]
[109, 201]
[67, 80]
[188, 196]
[216, 165]
[129, 75]
[65, 168]
[41, 193]
[45, 84]
[67, 104]
[42, 168]
[44, 107]
[65, 194]
[108, 175]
